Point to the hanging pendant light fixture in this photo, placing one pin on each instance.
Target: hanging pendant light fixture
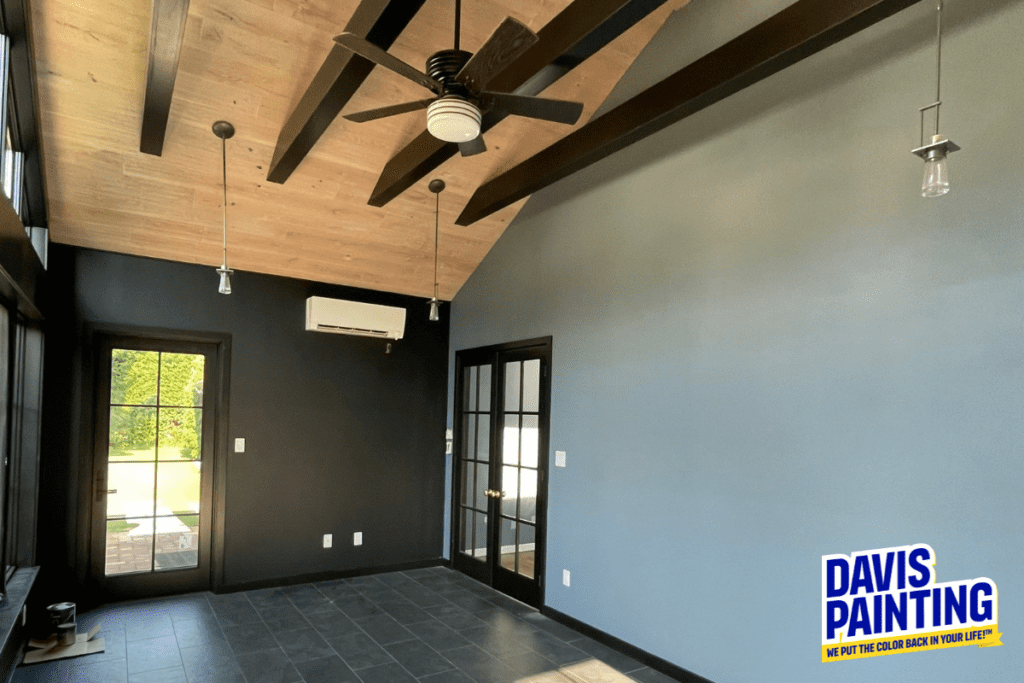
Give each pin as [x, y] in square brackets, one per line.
[936, 172]
[436, 186]
[224, 130]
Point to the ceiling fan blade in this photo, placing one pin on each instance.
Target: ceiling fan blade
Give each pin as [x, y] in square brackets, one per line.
[511, 39]
[384, 112]
[473, 147]
[365, 48]
[559, 111]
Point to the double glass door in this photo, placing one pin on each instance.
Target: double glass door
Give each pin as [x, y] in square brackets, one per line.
[502, 398]
[152, 483]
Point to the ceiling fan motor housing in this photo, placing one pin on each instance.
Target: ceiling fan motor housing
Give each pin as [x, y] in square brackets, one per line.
[443, 66]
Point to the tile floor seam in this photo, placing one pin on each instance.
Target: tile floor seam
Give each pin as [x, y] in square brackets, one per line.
[382, 647]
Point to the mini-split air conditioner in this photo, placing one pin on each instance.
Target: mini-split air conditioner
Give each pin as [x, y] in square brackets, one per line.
[352, 317]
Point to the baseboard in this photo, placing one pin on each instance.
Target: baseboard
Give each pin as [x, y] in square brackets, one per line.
[328, 576]
[646, 658]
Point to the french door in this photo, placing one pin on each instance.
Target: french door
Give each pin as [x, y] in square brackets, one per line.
[152, 466]
[502, 398]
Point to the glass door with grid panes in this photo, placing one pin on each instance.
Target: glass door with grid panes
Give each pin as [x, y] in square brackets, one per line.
[152, 462]
[502, 407]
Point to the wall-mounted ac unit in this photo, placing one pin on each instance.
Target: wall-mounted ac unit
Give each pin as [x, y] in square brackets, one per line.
[353, 317]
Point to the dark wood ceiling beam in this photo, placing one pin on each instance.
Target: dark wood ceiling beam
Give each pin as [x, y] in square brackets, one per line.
[378, 21]
[797, 32]
[165, 36]
[580, 30]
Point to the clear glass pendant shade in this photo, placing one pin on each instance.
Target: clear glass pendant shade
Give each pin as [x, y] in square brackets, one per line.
[225, 280]
[435, 314]
[936, 177]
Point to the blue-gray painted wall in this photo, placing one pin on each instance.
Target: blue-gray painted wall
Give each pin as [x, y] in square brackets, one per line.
[768, 347]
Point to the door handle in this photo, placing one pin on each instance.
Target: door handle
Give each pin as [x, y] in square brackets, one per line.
[492, 493]
[109, 491]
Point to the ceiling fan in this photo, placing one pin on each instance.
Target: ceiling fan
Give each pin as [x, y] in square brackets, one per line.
[458, 79]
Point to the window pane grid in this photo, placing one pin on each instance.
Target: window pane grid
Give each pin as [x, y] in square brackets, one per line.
[475, 461]
[174, 428]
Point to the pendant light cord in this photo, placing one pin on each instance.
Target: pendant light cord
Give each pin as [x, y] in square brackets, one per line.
[437, 222]
[938, 69]
[224, 169]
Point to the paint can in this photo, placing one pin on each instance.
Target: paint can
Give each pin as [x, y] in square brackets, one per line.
[62, 618]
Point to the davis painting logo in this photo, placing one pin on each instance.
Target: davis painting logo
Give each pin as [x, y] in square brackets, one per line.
[886, 602]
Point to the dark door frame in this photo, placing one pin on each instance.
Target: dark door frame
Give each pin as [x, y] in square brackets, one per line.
[94, 335]
[476, 356]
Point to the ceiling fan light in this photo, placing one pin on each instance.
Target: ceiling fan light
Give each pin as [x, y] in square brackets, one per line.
[453, 119]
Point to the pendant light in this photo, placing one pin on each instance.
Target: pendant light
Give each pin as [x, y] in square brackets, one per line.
[936, 173]
[224, 130]
[436, 186]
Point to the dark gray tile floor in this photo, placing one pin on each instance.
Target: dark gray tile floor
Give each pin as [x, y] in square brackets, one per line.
[421, 626]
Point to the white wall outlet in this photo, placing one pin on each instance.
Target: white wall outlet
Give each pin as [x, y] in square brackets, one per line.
[560, 460]
[357, 538]
[565, 577]
[449, 434]
[328, 540]
[239, 445]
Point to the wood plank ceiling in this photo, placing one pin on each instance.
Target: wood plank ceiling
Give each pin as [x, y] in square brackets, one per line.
[249, 62]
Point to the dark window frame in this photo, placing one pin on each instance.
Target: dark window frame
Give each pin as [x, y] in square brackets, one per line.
[21, 107]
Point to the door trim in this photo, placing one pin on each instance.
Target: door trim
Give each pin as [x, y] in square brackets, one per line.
[543, 344]
[93, 335]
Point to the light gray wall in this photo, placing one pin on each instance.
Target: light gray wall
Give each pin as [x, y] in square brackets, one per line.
[768, 347]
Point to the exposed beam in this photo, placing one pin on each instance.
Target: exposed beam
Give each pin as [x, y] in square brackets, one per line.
[799, 31]
[378, 21]
[580, 30]
[165, 36]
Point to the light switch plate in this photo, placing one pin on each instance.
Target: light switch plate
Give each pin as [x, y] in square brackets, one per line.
[239, 445]
[449, 434]
[565, 577]
[559, 458]
[328, 540]
[357, 538]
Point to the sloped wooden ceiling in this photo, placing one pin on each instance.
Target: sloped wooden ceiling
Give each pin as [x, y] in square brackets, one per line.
[249, 62]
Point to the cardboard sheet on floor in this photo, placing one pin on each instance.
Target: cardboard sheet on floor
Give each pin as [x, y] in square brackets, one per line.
[54, 648]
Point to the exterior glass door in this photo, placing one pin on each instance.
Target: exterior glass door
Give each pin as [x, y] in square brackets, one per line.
[502, 397]
[151, 518]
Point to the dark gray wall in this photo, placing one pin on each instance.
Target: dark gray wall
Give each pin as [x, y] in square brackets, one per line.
[340, 437]
[767, 347]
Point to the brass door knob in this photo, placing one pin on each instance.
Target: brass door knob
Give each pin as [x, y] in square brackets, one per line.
[492, 493]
